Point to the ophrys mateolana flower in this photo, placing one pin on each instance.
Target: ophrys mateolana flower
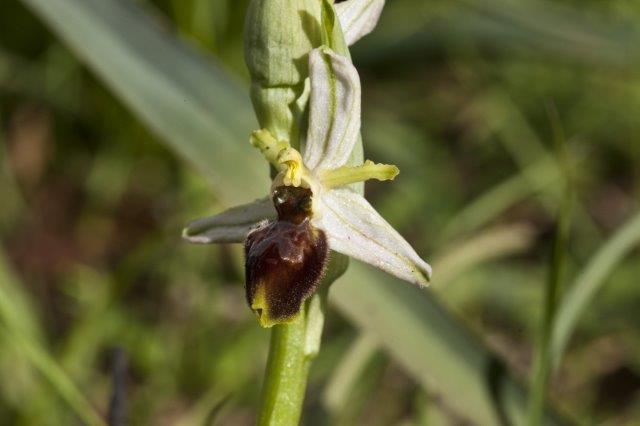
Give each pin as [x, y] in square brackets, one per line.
[312, 206]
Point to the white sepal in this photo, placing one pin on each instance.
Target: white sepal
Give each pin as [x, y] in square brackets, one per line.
[334, 112]
[358, 18]
[354, 228]
[230, 226]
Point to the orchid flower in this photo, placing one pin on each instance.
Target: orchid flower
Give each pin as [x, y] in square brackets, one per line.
[312, 207]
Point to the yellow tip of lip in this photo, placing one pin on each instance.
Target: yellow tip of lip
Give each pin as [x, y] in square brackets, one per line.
[264, 320]
[261, 309]
[259, 306]
[262, 312]
[267, 322]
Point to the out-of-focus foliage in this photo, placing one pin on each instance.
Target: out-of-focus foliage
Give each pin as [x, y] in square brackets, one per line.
[464, 96]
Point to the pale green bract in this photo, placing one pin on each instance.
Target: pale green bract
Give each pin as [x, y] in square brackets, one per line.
[353, 227]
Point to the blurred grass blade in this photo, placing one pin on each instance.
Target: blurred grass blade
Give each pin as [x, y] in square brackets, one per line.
[539, 170]
[188, 101]
[490, 204]
[58, 378]
[19, 323]
[432, 346]
[552, 293]
[532, 27]
[347, 373]
[16, 310]
[521, 140]
[488, 245]
[461, 258]
[587, 284]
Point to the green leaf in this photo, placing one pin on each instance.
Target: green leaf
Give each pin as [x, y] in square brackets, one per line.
[590, 280]
[432, 346]
[184, 97]
[338, 390]
[18, 321]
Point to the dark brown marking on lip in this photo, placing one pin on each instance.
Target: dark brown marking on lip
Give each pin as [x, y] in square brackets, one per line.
[285, 259]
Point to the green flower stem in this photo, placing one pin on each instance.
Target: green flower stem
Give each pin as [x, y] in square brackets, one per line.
[286, 374]
[293, 348]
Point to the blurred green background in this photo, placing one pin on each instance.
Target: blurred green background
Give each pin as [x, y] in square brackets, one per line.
[122, 120]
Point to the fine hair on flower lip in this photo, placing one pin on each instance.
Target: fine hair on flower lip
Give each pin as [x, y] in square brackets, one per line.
[285, 258]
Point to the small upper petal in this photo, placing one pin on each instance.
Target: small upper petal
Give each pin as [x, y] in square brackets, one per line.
[334, 114]
[358, 17]
[230, 226]
[354, 228]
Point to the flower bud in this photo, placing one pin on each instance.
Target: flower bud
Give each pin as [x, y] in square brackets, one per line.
[279, 34]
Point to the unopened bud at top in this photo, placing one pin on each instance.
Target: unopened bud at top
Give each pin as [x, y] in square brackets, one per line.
[279, 34]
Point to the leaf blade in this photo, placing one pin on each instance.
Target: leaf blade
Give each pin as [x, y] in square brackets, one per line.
[184, 98]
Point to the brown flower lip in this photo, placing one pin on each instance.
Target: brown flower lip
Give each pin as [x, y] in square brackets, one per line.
[285, 258]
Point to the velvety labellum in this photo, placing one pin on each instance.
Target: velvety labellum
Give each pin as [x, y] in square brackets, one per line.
[285, 259]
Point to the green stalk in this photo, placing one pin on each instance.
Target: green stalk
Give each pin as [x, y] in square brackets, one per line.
[552, 292]
[286, 374]
[293, 347]
[542, 367]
